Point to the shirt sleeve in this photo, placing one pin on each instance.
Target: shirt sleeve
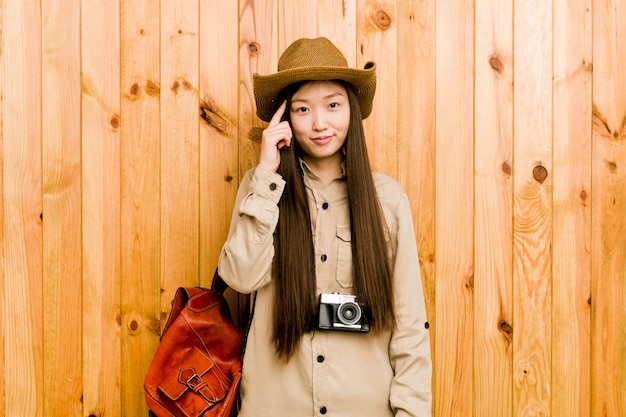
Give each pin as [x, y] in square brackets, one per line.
[246, 257]
[409, 349]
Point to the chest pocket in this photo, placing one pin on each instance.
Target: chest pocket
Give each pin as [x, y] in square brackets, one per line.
[344, 256]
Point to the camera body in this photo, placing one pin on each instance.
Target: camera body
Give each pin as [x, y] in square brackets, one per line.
[341, 312]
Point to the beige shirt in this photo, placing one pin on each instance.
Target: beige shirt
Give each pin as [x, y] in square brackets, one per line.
[334, 373]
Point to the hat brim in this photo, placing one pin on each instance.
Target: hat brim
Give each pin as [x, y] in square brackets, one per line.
[267, 87]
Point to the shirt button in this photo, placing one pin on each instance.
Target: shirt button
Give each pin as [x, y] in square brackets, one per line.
[324, 257]
[320, 358]
[324, 206]
[273, 186]
[323, 410]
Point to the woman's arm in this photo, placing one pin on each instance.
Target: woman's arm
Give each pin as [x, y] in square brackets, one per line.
[246, 258]
[409, 348]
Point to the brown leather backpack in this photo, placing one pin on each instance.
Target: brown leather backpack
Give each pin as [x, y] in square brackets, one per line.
[197, 367]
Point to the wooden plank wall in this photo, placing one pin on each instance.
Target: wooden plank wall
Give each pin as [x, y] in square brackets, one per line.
[127, 124]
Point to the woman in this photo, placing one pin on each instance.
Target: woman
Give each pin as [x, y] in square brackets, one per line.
[339, 325]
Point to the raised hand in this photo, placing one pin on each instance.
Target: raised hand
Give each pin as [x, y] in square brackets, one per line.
[277, 135]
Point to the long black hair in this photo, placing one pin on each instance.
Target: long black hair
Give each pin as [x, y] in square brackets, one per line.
[295, 307]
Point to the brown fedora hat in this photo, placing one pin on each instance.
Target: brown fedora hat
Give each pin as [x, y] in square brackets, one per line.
[313, 60]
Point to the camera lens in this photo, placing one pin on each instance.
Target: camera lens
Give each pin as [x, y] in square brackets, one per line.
[349, 313]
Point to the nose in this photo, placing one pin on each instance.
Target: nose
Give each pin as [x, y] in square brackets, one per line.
[319, 122]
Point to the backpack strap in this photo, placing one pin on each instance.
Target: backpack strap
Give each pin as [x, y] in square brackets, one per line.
[182, 296]
[218, 283]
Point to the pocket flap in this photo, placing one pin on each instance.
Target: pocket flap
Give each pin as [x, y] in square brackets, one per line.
[194, 373]
[344, 233]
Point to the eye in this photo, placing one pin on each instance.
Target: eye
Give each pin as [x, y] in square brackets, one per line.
[333, 105]
[300, 110]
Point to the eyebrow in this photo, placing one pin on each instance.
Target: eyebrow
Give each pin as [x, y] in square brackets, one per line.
[329, 96]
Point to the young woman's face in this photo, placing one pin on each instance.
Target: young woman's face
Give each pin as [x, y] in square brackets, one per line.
[320, 116]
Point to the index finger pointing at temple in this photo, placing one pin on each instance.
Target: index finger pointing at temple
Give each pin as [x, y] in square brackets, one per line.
[279, 113]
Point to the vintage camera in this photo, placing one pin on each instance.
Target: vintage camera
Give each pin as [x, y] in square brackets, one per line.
[341, 312]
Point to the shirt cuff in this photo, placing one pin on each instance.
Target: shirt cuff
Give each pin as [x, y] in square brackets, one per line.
[267, 184]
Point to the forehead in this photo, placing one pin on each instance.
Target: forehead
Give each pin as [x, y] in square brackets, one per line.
[320, 87]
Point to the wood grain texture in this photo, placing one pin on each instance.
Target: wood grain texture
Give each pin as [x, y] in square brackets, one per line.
[126, 127]
[493, 166]
[258, 53]
[571, 224]
[608, 244]
[532, 212]
[416, 132]
[100, 131]
[179, 147]
[140, 173]
[2, 315]
[22, 234]
[219, 133]
[296, 20]
[62, 226]
[337, 21]
[377, 41]
[454, 292]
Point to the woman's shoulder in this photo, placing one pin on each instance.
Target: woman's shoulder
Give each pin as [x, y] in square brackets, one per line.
[387, 185]
[390, 192]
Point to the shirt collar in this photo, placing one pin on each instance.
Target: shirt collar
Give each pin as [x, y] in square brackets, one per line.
[311, 175]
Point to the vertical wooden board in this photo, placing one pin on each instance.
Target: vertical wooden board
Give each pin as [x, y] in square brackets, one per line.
[258, 53]
[454, 170]
[337, 22]
[22, 308]
[179, 147]
[2, 315]
[218, 128]
[101, 206]
[571, 259]
[416, 132]
[377, 41]
[139, 198]
[608, 245]
[532, 217]
[296, 19]
[493, 205]
[61, 188]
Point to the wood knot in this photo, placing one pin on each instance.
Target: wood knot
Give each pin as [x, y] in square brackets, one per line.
[382, 19]
[253, 49]
[506, 168]
[496, 63]
[540, 173]
[255, 134]
[211, 115]
[612, 165]
[133, 325]
[115, 121]
[505, 327]
[152, 88]
[133, 93]
[469, 284]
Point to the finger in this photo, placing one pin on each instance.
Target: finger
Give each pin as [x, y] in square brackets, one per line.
[283, 143]
[279, 113]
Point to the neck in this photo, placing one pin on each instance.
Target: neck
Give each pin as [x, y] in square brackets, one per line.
[326, 169]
